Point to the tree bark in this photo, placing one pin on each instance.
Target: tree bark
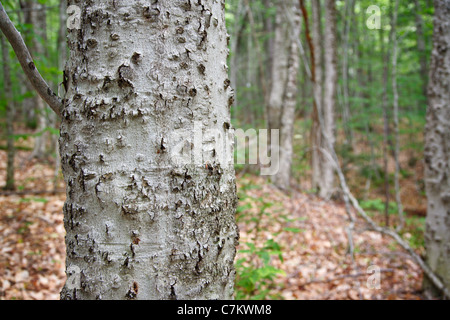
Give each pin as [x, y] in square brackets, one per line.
[7, 85]
[396, 119]
[329, 99]
[279, 70]
[421, 47]
[141, 78]
[349, 12]
[437, 150]
[38, 20]
[283, 176]
[316, 61]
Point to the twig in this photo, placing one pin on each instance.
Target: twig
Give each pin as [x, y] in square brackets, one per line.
[348, 196]
[340, 277]
[30, 192]
[26, 61]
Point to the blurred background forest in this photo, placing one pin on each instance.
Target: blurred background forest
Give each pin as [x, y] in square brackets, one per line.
[309, 65]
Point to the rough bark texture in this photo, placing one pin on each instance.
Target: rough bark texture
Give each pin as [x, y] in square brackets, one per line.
[437, 148]
[138, 225]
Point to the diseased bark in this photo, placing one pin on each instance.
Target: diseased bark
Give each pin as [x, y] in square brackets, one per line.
[437, 150]
[140, 226]
[7, 86]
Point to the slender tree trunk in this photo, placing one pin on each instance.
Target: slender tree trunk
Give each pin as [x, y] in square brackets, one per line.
[28, 103]
[7, 85]
[283, 177]
[385, 49]
[329, 100]
[349, 12]
[279, 70]
[144, 81]
[396, 119]
[269, 45]
[62, 58]
[421, 47]
[38, 20]
[316, 135]
[235, 52]
[437, 149]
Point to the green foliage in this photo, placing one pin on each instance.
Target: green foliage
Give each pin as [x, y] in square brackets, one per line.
[255, 275]
[414, 231]
[378, 205]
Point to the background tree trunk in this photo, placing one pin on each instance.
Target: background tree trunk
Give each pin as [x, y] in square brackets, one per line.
[421, 47]
[329, 100]
[279, 70]
[316, 135]
[437, 150]
[141, 76]
[7, 85]
[283, 176]
[38, 18]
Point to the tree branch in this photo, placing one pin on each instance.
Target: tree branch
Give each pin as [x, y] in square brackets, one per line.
[26, 61]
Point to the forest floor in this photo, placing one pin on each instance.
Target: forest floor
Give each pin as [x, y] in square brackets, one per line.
[306, 236]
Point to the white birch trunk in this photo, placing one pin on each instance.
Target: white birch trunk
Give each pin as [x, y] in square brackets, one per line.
[139, 226]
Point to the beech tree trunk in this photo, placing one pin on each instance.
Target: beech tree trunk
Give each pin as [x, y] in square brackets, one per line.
[437, 150]
[139, 225]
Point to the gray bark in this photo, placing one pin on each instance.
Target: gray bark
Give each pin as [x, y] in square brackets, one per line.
[329, 99]
[421, 47]
[138, 225]
[349, 12]
[396, 118]
[279, 69]
[437, 149]
[316, 135]
[7, 86]
[283, 176]
[38, 20]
